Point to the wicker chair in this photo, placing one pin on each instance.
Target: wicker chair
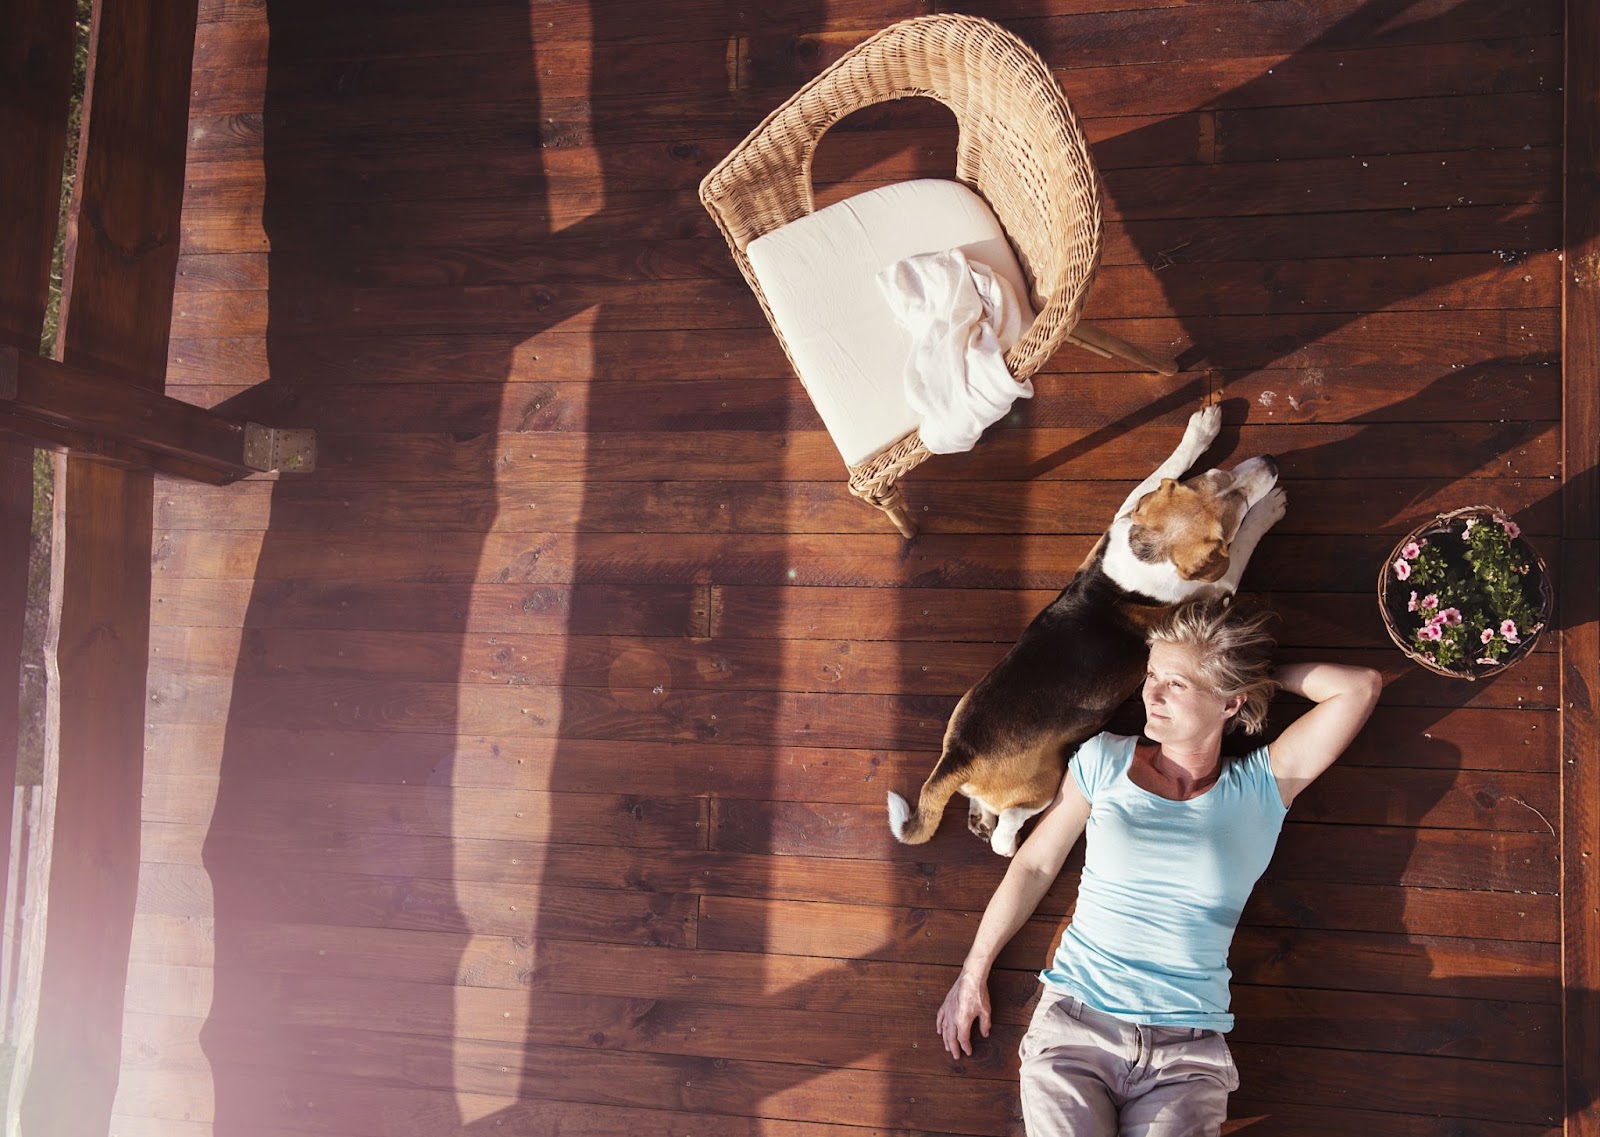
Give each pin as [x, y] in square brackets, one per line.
[1020, 148]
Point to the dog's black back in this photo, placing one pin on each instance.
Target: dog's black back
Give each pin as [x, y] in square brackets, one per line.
[1074, 665]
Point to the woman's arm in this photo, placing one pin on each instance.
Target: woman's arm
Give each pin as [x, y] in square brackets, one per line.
[1032, 871]
[1344, 698]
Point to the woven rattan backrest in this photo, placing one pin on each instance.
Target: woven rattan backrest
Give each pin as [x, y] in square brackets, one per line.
[1020, 147]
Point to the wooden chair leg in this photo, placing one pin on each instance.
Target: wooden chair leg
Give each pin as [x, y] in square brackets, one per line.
[1105, 344]
[893, 502]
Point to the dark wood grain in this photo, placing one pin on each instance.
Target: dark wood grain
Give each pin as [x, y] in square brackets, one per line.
[1580, 585]
[36, 74]
[580, 551]
[116, 308]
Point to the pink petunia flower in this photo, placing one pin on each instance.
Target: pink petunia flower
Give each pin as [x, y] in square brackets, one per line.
[1402, 569]
[1450, 617]
[1412, 551]
[1509, 631]
[1512, 528]
[1411, 605]
[1430, 601]
[1488, 634]
[1429, 632]
[1487, 659]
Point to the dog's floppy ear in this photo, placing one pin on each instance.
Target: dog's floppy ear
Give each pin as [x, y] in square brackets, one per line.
[1155, 498]
[1145, 543]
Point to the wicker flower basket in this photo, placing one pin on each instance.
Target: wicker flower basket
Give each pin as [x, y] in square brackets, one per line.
[1448, 535]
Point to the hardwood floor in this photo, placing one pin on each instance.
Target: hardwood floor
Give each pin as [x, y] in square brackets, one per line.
[521, 770]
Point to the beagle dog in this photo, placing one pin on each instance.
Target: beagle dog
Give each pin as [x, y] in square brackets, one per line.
[1009, 738]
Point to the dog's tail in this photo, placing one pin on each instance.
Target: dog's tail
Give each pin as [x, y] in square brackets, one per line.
[913, 828]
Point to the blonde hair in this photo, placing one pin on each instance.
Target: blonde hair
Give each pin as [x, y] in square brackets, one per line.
[1235, 654]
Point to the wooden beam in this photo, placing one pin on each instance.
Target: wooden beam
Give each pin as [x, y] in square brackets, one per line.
[1580, 574]
[122, 253]
[102, 412]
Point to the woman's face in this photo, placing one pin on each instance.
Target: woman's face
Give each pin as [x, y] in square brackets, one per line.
[1179, 707]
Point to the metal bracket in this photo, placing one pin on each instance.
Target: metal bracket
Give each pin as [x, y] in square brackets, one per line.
[268, 448]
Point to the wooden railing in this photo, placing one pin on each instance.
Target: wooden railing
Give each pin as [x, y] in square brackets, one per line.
[100, 401]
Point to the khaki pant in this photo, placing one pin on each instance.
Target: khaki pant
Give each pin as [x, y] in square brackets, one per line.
[1085, 1074]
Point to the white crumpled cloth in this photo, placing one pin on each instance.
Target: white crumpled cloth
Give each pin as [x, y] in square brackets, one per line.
[961, 319]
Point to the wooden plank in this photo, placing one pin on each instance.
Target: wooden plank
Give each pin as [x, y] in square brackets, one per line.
[1579, 589]
[1511, 449]
[1379, 1023]
[663, 136]
[225, 294]
[967, 1104]
[1087, 35]
[1138, 189]
[1470, 340]
[858, 666]
[419, 1112]
[590, 915]
[798, 1092]
[646, 610]
[1270, 964]
[850, 559]
[1453, 740]
[624, 714]
[1349, 796]
[1501, 192]
[356, 1083]
[230, 79]
[1267, 957]
[921, 935]
[1280, 1119]
[948, 875]
[524, 403]
[1386, 505]
[1459, 1087]
[121, 257]
[418, 26]
[1512, 862]
[624, 820]
[226, 199]
[1467, 281]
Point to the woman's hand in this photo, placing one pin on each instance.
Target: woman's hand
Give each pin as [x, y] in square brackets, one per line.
[968, 1000]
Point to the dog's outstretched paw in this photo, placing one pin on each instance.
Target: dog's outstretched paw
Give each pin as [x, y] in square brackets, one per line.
[1204, 426]
[1005, 846]
[1271, 508]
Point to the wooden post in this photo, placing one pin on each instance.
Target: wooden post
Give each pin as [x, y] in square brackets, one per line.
[36, 74]
[116, 310]
[1580, 574]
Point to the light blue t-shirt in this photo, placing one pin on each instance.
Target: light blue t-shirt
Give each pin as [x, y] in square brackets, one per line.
[1163, 885]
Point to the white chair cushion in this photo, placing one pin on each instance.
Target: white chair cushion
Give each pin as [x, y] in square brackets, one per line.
[818, 277]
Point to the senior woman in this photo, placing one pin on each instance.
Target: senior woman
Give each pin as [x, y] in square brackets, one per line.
[1127, 1038]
